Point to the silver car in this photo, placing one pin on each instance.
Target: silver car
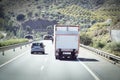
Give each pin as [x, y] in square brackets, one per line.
[37, 48]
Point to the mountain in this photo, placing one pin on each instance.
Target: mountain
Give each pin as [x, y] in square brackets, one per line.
[76, 12]
[38, 24]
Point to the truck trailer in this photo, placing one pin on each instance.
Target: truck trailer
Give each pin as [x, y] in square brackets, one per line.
[66, 41]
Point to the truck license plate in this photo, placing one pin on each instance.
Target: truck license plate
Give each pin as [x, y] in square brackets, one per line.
[66, 53]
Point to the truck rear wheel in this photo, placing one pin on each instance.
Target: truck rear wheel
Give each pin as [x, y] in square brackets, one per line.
[60, 54]
[32, 52]
[73, 54]
[43, 52]
[57, 57]
[73, 57]
[60, 57]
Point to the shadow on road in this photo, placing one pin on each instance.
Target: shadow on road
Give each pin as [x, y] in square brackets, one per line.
[39, 54]
[68, 59]
[87, 60]
[80, 59]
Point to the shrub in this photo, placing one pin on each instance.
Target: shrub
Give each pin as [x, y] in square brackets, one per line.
[84, 39]
[20, 17]
[113, 46]
[1, 36]
[12, 41]
[99, 44]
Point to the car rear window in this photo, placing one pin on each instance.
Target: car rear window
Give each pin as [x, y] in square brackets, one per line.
[37, 44]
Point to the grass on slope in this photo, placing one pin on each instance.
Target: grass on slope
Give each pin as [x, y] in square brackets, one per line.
[12, 41]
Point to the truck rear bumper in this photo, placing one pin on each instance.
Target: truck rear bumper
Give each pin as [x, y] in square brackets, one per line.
[66, 54]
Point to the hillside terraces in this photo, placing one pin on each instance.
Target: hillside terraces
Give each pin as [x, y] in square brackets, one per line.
[75, 12]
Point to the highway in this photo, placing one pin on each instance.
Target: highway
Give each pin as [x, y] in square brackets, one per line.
[88, 66]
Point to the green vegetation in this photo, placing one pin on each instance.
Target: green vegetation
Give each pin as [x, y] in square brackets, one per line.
[75, 12]
[117, 26]
[12, 41]
[78, 15]
[109, 13]
[113, 47]
[84, 39]
[1, 23]
[99, 44]
[1, 36]
[98, 36]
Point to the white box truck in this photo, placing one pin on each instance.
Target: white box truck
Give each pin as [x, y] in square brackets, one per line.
[66, 40]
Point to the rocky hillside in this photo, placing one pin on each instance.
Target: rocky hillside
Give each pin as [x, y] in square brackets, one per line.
[15, 14]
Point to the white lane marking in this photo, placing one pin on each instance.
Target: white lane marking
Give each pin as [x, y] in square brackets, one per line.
[42, 67]
[13, 59]
[90, 71]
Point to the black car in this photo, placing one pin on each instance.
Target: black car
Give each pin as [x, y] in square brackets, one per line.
[48, 37]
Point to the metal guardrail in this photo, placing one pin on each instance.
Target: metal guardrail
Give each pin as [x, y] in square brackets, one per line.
[5, 48]
[109, 56]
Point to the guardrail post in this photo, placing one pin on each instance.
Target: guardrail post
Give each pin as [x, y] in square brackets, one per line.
[107, 57]
[114, 62]
[20, 47]
[14, 49]
[3, 53]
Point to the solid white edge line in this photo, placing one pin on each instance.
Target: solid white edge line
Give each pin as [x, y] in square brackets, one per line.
[12, 59]
[90, 71]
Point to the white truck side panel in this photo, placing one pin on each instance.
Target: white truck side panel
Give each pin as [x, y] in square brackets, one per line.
[67, 42]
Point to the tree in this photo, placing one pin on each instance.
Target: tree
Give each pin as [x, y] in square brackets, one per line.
[1, 12]
[1, 36]
[49, 29]
[29, 30]
[20, 17]
[29, 15]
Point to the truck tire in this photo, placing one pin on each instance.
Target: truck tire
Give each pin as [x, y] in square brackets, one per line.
[60, 57]
[32, 52]
[74, 58]
[60, 54]
[73, 55]
[43, 52]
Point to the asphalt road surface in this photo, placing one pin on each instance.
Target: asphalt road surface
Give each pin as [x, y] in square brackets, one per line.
[88, 66]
